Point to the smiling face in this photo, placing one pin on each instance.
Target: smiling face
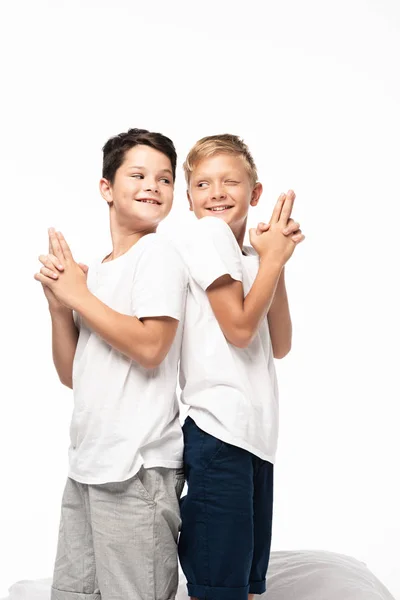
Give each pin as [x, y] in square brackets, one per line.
[220, 186]
[142, 191]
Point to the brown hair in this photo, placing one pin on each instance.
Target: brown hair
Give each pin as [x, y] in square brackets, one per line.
[225, 143]
[115, 148]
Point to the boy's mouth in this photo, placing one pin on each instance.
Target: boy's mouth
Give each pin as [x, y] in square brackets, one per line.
[221, 208]
[148, 201]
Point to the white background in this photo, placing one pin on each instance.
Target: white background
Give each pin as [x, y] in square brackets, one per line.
[313, 87]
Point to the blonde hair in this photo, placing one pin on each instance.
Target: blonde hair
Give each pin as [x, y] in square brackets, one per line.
[225, 143]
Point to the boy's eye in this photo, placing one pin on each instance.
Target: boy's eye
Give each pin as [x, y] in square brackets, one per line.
[166, 180]
[232, 181]
[202, 184]
[137, 176]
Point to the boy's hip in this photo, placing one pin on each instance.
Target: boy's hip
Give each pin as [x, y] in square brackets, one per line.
[208, 455]
[149, 486]
[118, 528]
[258, 439]
[118, 457]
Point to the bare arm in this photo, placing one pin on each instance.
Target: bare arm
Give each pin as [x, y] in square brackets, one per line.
[279, 321]
[64, 341]
[145, 341]
[239, 317]
[64, 331]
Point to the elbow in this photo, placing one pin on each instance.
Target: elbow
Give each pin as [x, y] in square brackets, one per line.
[282, 351]
[67, 381]
[152, 356]
[149, 364]
[241, 338]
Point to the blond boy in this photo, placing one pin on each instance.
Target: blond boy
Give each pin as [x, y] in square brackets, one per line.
[237, 321]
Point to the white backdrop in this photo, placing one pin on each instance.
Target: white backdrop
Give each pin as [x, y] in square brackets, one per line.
[313, 87]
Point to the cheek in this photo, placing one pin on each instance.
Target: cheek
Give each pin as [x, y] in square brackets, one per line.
[125, 191]
[243, 200]
[198, 202]
[168, 199]
[198, 208]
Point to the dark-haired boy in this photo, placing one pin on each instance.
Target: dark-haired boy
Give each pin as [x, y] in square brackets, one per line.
[120, 512]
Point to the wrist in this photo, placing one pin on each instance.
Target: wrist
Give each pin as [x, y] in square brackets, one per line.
[274, 263]
[60, 311]
[58, 308]
[81, 303]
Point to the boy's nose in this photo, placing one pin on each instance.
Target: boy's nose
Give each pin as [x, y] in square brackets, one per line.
[218, 194]
[151, 187]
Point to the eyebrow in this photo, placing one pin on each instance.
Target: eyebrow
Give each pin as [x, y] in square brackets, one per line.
[236, 175]
[139, 167]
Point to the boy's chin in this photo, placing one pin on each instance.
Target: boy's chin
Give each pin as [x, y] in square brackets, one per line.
[152, 215]
[140, 221]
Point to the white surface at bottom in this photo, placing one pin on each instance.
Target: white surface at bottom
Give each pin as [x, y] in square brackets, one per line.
[294, 575]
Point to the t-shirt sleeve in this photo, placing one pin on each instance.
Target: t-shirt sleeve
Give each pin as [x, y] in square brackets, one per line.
[212, 251]
[160, 282]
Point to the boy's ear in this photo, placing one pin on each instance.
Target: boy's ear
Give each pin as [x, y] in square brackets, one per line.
[256, 193]
[106, 190]
[190, 200]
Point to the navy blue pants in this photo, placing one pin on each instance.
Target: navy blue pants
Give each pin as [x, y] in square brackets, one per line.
[225, 540]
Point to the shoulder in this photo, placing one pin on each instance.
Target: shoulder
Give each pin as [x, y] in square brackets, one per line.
[156, 243]
[158, 248]
[213, 226]
[209, 231]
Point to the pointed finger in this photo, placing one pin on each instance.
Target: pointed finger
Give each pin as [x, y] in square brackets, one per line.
[287, 207]
[276, 213]
[65, 248]
[55, 244]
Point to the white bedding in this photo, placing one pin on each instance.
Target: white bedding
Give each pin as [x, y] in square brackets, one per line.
[295, 575]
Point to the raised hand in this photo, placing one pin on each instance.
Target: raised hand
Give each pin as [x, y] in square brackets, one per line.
[52, 267]
[293, 230]
[278, 238]
[63, 280]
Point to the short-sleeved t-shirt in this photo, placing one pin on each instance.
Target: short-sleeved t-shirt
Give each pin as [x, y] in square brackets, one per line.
[231, 392]
[126, 416]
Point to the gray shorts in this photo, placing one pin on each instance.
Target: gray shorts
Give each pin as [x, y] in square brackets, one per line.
[118, 541]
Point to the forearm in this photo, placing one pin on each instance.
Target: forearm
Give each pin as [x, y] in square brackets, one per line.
[240, 317]
[64, 341]
[125, 333]
[260, 298]
[279, 321]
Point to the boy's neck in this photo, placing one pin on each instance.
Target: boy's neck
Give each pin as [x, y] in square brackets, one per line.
[123, 240]
[239, 232]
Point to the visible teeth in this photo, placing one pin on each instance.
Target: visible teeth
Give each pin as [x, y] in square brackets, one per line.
[149, 201]
[218, 208]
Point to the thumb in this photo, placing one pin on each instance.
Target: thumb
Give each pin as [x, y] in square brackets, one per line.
[84, 268]
[252, 235]
[262, 227]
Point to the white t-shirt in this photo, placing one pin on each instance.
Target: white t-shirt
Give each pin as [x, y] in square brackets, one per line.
[232, 392]
[126, 416]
